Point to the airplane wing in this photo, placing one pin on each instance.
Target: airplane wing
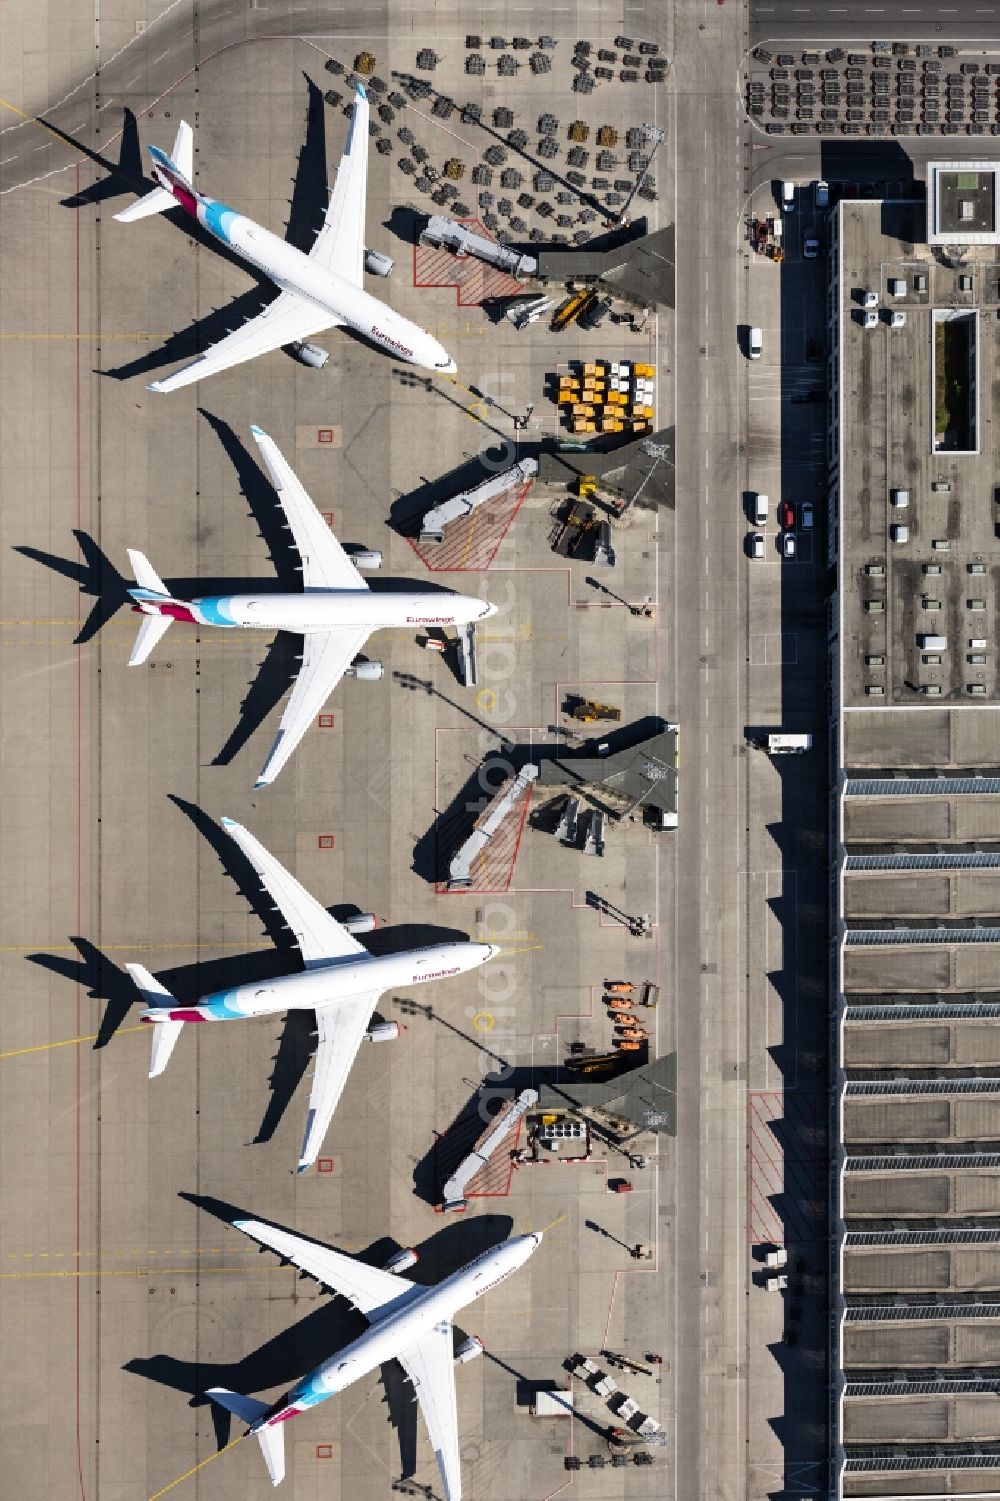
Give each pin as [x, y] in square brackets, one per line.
[284, 321]
[319, 936]
[430, 1366]
[367, 1287]
[341, 1027]
[325, 564]
[340, 245]
[326, 657]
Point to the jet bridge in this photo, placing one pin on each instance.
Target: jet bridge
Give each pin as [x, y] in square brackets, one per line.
[460, 871]
[432, 527]
[451, 235]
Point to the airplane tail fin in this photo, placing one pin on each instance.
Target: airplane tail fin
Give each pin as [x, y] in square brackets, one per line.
[180, 165]
[149, 587]
[249, 1410]
[166, 1032]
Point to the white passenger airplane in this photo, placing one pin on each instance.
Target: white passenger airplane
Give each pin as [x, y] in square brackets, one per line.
[335, 614]
[410, 1324]
[341, 982]
[321, 290]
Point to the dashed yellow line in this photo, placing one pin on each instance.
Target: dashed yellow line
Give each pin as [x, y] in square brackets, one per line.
[175, 946]
[141, 1272]
[136, 337]
[34, 120]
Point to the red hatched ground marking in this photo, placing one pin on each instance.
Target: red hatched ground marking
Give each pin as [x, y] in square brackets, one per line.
[471, 543]
[493, 1180]
[474, 281]
[493, 868]
[785, 1186]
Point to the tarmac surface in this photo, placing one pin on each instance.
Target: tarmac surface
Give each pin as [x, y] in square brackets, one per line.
[856, 20]
[124, 1293]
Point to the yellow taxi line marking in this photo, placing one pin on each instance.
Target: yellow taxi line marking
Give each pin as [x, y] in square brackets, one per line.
[67, 1042]
[199, 1466]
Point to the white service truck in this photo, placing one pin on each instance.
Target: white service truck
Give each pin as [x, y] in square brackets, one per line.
[788, 745]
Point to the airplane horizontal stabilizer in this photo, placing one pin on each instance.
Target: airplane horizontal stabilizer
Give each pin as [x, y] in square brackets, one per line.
[151, 630]
[156, 202]
[249, 1410]
[145, 574]
[165, 1033]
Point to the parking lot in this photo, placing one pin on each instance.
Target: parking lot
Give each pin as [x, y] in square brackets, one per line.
[897, 89]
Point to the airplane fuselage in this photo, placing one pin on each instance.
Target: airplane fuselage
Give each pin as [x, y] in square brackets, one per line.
[416, 1316]
[325, 984]
[322, 610]
[293, 271]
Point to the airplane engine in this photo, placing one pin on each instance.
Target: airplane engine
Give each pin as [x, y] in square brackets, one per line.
[383, 1032]
[468, 1350]
[364, 922]
[401, 1262]
[366, 672]
[365, 557]
[310, 354]
[377, 263]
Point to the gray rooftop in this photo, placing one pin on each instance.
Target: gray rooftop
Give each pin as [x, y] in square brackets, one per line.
[647, 1095]
[966, 202]
[887, 444]
[962, 203]
[931, 1194]
[643, 773]
[642, 270]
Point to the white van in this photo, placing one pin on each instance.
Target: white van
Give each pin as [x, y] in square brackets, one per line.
[788, 197]
[756, 345]
[760, 504]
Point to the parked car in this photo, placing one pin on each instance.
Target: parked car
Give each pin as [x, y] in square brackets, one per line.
[757, 545]
[786, 515]
[806, 516]
[810, 247]
[822, 194]
[788, 544]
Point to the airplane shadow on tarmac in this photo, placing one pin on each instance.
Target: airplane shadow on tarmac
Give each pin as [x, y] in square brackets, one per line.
[106, 981]
[292, 1354]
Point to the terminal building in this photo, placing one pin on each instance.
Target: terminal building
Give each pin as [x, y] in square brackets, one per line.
[914, 535]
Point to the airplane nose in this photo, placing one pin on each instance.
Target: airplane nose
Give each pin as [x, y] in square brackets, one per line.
[491, 951]
[487, 611]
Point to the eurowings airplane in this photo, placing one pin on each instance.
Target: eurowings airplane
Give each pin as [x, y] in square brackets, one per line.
[410, 1324]
[335, 614]
[318, 291]
[341, 982]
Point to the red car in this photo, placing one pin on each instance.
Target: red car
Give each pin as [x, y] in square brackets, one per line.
[786, 515]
